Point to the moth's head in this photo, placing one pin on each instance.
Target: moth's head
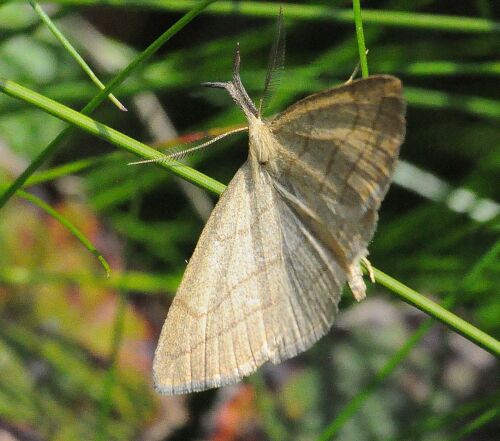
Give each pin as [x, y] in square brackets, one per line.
[236, 89]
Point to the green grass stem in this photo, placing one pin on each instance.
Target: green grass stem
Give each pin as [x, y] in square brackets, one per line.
[66, 169]
[474, 105]
[360, 36]
[110, 377]
[69, 226]
[108, 134]
[483, 419]
[73, 52]
[440, 313]
[137, 63]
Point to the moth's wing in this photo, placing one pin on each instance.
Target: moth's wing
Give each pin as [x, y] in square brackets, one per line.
[248, 294]
[336, 155]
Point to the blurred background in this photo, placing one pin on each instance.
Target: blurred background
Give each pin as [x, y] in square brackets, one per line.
[76, 348]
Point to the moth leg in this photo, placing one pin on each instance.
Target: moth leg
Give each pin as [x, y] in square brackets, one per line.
[369, 268]
[356, 282]
[355, 71]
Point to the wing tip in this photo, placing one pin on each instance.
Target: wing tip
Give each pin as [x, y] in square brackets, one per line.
[393, 85]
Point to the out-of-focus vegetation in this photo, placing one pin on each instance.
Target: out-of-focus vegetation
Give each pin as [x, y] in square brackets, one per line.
[76, 348]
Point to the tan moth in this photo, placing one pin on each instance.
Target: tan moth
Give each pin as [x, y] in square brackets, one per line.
[292, 227]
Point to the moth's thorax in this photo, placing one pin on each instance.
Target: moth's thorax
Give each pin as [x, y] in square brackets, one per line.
[262, 142]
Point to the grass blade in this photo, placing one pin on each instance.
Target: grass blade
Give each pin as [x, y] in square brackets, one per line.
[360, 36]
[108, 134]
[73, 52]
[440, 313]
[134, 65]
[69, 226]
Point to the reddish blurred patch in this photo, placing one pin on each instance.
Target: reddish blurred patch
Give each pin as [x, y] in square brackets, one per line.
[236, 418]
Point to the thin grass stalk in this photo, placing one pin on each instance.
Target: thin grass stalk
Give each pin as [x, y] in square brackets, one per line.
[146, 283]
[108, 134]
[360, 36]
[483, 419]
[65, 222]
[110, 378]
[73, 52]
[133, 66]
[452, 321]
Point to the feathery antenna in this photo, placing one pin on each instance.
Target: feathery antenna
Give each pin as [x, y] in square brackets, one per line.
[276, 61]
[183, 152]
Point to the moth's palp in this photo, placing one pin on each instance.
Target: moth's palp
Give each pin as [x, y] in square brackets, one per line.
[235, 87]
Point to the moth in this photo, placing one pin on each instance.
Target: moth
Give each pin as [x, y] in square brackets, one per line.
[292, 227]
